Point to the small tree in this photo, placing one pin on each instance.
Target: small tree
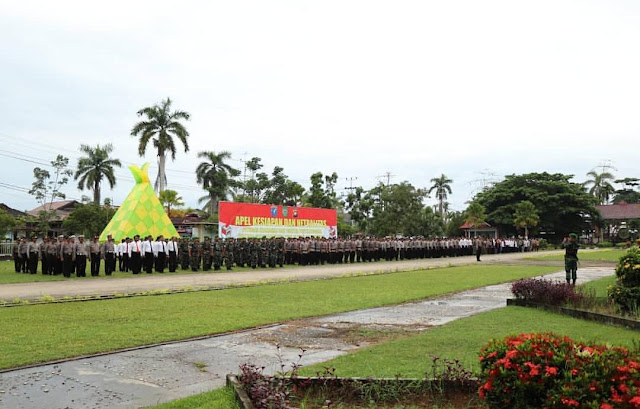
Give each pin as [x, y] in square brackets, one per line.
[169, 198]
[46, 188]
[475, 215]
[525, 216]
[6, 222]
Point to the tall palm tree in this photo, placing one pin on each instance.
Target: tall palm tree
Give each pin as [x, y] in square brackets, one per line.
[601, 186]
[95, 167]
[215, 176]
[442, 186]
[161, 125]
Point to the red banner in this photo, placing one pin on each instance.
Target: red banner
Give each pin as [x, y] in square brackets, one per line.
[240, 220]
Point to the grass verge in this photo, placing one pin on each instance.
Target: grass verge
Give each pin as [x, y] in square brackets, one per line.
[599, 287]
[40, 333]
[222, 398]
[462, 339]
[592, 255]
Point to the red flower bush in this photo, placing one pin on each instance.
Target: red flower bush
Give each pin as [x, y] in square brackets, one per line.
[549, 371]
[544, 291]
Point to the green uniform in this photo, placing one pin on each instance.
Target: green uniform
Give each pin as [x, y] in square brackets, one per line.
[217, 254]
[206, 254]
[238, 252]
[184, 254]
[254, 248]
[571, 260]
[227, 252]
[195, 255]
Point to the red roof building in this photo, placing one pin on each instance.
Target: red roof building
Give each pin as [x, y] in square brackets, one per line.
[620, 211]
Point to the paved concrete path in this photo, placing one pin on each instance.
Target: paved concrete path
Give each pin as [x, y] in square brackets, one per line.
[153, 375]
[170, 281]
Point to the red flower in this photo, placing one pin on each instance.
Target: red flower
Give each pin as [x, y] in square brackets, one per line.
[511, 354]
[551, 371]
[606, 406]
[635, 401]
[570, 402]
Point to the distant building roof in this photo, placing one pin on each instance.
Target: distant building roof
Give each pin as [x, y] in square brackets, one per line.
[620, 211]
[12, 212]
[61, 208]
[484, 225]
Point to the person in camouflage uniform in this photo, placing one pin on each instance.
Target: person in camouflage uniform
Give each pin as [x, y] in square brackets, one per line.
[263, 253]
[227, 252]
[254, 249]
[280, 248]
[195, 254]
[206, 254]
[217, 249]
[184, 253]
[571, 247]
[272, 248]
[238, 252]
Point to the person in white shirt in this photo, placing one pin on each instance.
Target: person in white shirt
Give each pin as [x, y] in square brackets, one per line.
[147, 255]
[172, 249]
[120, 249]
[135, 255]
[160, 253]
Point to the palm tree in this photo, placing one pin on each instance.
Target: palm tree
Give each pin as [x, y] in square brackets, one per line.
[601, 187]
[215, 176]
[95, 167]
[525, 216]
[161, 125]
[170, 198]
[442, 187]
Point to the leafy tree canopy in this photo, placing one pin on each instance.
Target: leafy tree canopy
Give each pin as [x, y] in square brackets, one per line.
[563, 206]
[88, 219]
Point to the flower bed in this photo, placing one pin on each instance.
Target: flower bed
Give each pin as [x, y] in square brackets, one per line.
[546, 370]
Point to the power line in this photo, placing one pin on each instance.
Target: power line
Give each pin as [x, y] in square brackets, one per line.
[387, 175]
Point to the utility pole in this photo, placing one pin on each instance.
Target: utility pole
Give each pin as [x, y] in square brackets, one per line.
[387, 175]
[350, 180]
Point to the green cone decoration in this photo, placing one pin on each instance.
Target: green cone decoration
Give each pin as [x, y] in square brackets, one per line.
[141, 213]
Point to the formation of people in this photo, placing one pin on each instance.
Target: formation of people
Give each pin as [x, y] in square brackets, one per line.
[68, 255]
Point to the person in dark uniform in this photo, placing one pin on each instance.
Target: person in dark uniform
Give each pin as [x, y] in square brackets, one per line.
[42, 253]
[147, 255]
[17, 262]
[81, 249]
[94, 256]
[195, 254]
[571, 246]
[22, 250]
[109, 255]
[32, 255]
[68, 256]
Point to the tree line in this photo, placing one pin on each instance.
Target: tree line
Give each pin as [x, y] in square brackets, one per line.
[520, 204]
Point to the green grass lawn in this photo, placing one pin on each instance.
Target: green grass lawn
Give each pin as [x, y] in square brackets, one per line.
[40, 333]
[586, 255]
[222, 398]
[8, 274]
[599, 286]
[462, 339]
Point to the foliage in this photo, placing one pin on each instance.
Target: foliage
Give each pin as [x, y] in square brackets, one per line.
[397, 209]
[161, 126]
[626, 292]
[525, 216]
[282, 190]
[95, 167]
[223, 398]
[216, 177]
[475, 214]
[456, 219]
[88, 219]
[563, 206]
[170, 198]
[604, 244]
[601, 187]
[629, 193]
[442, 187]
[46, 188]
[322, 191]
[547, 370]
[7, 222]
[544, 291]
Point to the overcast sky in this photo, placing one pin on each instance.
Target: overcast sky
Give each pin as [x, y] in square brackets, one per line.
[472, 89]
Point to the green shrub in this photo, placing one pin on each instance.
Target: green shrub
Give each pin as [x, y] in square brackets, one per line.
[547, 370]
[628, 299]
[628, 268]
[604, 244]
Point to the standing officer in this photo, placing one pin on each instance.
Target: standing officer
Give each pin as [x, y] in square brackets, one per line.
[81, 249]
[211, 253]
[109, 255]
[94, 256]
[172, 248]
[184, 253]
[68, 256]
[58, 264]
[135, 256]
[571, 246]
[22, 250]
[42, 252]
[195, 252]
[17, 263]
[147, 255]
[227, 253]
[32, 255]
